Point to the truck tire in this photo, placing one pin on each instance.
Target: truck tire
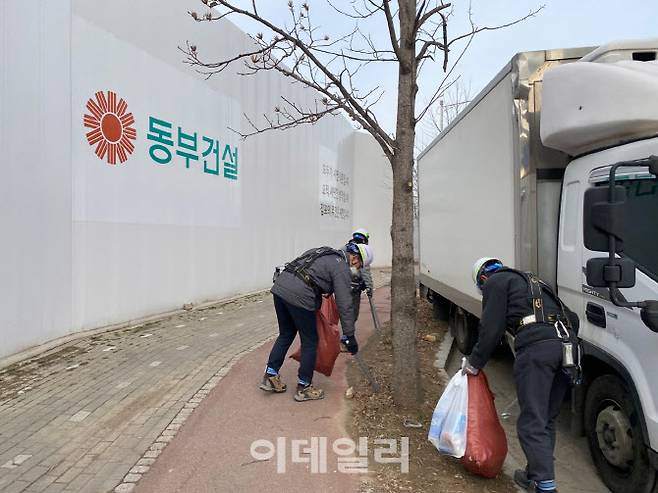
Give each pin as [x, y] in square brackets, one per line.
[463, 327]
[614, 436]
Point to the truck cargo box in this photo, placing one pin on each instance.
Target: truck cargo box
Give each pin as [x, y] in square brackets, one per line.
[487, 186]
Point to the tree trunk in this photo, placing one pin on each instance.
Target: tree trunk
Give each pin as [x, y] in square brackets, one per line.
[406, 374]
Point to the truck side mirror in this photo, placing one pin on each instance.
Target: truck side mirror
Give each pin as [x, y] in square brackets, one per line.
[649, 315]
[603, 232]
[600, 273]
[603, 218]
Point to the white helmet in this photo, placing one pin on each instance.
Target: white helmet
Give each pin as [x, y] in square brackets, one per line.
[361, 235]
[365, 251]
[479, 266]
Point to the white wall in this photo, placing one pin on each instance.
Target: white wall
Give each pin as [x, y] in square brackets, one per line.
[373, 195]
[35, 160]
[88, 243]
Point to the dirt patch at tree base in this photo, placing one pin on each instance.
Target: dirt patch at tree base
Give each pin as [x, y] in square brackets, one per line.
[374, 415]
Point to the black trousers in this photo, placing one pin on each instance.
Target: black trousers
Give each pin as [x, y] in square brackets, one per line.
[291, 320]
[541, 385]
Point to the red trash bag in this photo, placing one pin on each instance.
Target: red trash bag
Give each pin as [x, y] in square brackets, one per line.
[328, 337]
[486, 443]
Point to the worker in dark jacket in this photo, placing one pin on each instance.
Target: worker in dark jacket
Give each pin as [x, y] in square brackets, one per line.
[362, 280]
[298, 291]
[541, 325]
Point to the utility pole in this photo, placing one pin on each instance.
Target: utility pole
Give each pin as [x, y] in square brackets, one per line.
[441, 117]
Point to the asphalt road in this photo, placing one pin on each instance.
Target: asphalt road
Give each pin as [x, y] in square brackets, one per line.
[574, 468]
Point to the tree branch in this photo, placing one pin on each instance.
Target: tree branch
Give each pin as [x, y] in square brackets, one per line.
[294, 40]
[391, 28]
[285, 119]
[476, 29]
[429, 14]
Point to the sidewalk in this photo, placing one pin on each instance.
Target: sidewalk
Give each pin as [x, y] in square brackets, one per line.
[211, 452]
[80, 417]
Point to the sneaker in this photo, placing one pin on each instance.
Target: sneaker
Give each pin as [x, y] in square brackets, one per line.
[308, 393]
[521, 479]
[273, 383]
[547, 486]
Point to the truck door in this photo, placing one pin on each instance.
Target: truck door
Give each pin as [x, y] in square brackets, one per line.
[611, 417]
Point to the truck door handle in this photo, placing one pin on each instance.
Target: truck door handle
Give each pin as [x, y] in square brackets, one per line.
[595, 314]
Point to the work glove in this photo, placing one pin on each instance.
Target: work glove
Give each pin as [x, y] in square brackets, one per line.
[350, 343]
[468, 369]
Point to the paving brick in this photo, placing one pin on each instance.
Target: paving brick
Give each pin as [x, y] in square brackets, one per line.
[108, 476]
[16, 487]
[57, 464]
[140, 469]
[79, 482]
[145, 462]
[67, 476]
[42, 483]
[55, 488]
[125, 488]
[99, 448]
[6, 479]
[34, 473]
[132, 478]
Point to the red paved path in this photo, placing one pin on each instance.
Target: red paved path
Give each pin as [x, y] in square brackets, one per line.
[211, 452]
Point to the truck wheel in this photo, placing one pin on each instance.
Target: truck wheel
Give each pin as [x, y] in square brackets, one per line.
[463, 328]
[614, 436]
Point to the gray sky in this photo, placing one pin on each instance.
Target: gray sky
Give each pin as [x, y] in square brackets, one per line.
[561, 24]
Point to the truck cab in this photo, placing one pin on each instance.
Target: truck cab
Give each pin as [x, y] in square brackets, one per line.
[617, 404]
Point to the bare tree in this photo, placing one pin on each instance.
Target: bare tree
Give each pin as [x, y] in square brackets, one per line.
[417, 36]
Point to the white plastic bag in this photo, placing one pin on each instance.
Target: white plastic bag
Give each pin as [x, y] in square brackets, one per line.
[448, 429]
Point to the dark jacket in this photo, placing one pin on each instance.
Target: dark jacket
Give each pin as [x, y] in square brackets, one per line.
[333, 276]
[506, 300]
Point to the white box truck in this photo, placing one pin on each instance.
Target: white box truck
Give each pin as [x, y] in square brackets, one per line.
[526, 174]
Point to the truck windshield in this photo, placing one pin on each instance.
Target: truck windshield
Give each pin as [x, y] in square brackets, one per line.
[641, 223]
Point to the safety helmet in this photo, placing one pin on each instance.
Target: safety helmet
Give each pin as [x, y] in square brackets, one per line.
[483, 266]
[367, 256]
[362, 250]
[361, 236]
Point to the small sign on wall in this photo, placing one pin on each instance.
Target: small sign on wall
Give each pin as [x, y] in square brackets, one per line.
[335, 200]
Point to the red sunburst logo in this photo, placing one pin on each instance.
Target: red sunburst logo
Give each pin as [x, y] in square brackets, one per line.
[111, 127]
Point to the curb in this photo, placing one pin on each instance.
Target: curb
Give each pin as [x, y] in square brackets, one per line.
[143, 465]
[442, 355]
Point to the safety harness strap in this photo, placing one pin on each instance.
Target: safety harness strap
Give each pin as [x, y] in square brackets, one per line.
[537, 288]
[300, 265]
[537, 300]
